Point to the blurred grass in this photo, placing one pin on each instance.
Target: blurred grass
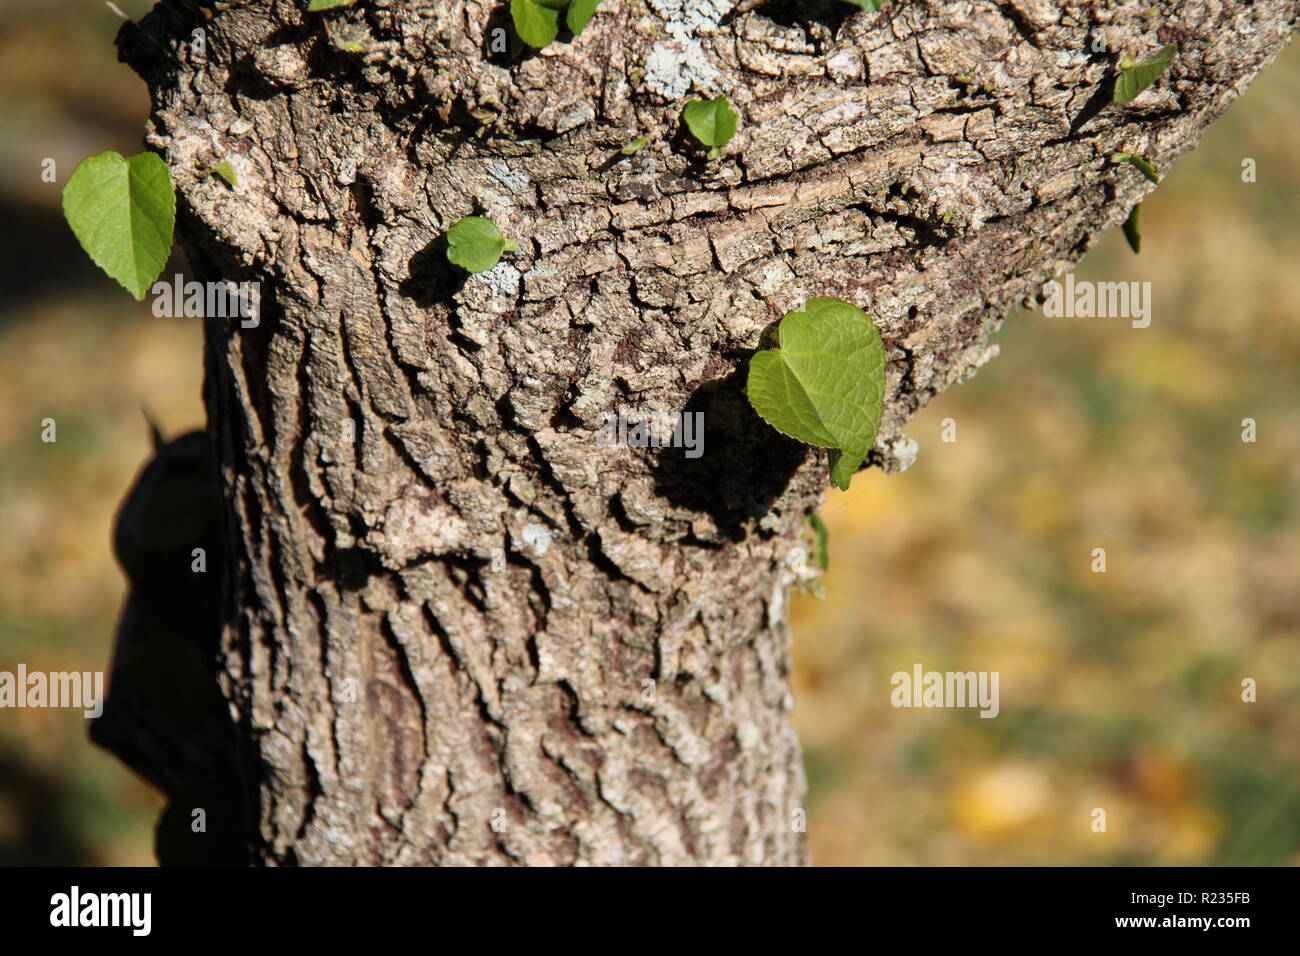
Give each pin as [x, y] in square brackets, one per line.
[73, 347]
[1118, 691]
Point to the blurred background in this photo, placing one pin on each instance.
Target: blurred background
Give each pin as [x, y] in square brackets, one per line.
[1119, 691]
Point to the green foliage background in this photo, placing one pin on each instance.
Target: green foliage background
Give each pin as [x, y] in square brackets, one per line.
[1118, 690]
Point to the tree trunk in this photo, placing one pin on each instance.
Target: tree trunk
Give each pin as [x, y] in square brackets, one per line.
[457, 627]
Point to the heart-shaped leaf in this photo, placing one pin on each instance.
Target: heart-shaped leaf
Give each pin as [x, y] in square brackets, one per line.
[1135, 77]
[226, 172]
[712, 122]
[580, 12]
[536, 23]
[475, 244]
[122, 211]
[825, 383]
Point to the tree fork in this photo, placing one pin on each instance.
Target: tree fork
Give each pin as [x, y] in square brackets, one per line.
[458, 629]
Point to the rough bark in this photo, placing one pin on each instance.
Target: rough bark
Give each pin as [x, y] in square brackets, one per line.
[494, 584]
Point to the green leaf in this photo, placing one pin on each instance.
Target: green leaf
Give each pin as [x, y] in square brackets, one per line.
[316, 5]
[580, 12]
[634, 147]
[226, 172]
[819, 528]
[536, 23]
[1131, 231]
[1138, 163]
[1136, 77]
[475, 244]
[122, 212]
[825, 383]
[871, 5]
[712, 122]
